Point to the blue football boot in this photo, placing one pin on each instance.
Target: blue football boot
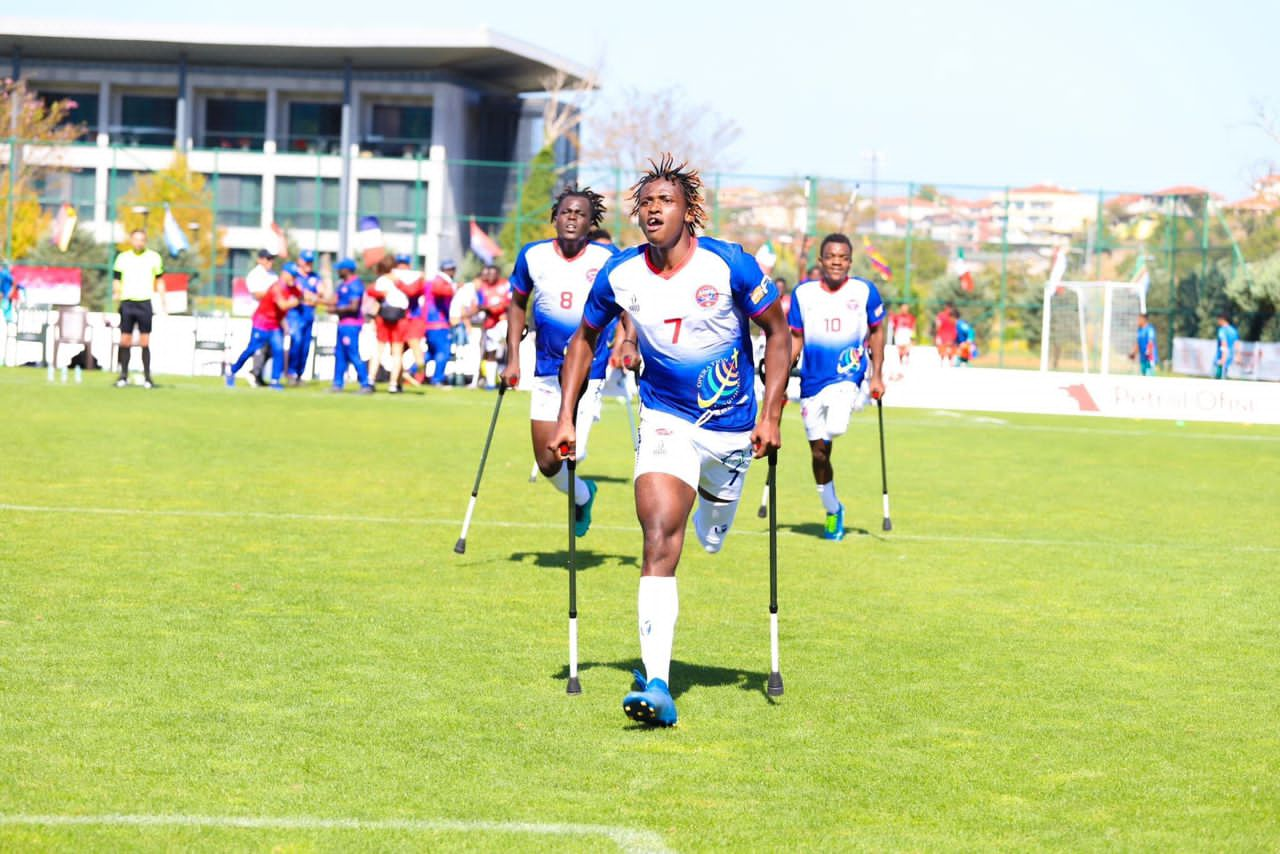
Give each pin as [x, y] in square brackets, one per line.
[834, 529]
[650, 702]
[582, 515]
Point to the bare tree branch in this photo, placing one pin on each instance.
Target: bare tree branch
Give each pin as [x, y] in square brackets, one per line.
[642, 125]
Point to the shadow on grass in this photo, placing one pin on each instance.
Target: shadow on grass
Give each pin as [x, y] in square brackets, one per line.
[586, 558]
[684, 676]
[813, 529]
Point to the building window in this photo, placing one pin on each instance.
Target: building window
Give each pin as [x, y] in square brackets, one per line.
[307, 203]
[314, 127]
[84, 109]
[394, 203]
[233, 123]
[147, 119]
[238, 199]
[61, 186]
[399, 131]
[118, 185]
[239, 263]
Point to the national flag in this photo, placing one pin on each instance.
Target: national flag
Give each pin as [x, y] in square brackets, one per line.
[966, 275]
[877, 260]
[64, 226]
[1142, 275]
[766, 257]
[1059, 267]
[174, 237]
[369, 240]
[484, 246]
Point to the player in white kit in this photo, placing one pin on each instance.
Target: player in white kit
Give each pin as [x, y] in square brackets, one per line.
[837, 324]
[556, 276]
[689, 299]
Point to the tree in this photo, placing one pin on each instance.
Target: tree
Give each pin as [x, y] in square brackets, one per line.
[31, 124]
[530, 220]
[190, 201]
[641, 125]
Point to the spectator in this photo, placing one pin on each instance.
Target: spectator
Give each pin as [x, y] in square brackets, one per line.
[301, 320]
[346, 303]
[415, 319]
[259, 281]
[391, 322]
[966, 344]
[1145, 348]
[904, 333]
[438, 300]
[1228, 337]
[268, 321]
[493, 297]
[944, 334]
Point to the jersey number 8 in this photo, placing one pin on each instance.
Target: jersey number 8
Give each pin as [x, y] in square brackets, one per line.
[566, 299]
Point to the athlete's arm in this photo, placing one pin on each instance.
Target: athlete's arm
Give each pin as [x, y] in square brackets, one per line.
[767, 435]
[573, 373]
[626, 350]
[875, 345]
[517, 313]
[797, 345]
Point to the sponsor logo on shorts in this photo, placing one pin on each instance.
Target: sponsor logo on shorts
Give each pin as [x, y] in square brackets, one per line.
[706, 296]
[663, 431]
[719, 382]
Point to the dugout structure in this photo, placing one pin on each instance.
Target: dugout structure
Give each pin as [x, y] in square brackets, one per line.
[1090, 327]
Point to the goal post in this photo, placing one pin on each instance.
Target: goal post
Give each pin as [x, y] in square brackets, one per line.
[1090, 327]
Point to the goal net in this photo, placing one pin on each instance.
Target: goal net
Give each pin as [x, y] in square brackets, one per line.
[1090, 327]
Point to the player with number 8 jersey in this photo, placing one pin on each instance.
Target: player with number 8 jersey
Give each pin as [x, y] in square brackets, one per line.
[555, 276]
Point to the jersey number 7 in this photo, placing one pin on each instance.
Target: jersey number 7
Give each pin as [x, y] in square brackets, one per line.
[675, 333]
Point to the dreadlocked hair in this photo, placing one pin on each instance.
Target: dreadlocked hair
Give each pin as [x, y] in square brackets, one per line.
[593, 198]
[686, 179]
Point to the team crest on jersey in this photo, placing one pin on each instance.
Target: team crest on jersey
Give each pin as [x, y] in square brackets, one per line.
[706, 296]
[853, 305]
[849, 360]
[591, 274]
[719, 382]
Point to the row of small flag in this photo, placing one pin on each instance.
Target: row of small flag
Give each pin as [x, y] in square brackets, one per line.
[64, 227]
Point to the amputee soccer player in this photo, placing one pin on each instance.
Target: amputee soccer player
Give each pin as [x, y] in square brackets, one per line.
[136, 273]
[836, 322]
[1226, 351]
[689, 299]
[283, 295]
[1145, 348]
[346, 303]
[558, 273]
[301, 319]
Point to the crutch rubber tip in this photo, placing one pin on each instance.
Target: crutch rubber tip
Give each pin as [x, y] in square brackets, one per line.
[460, 547]
[888, 526]
[774, 687]
[574, 687]
[762, 512]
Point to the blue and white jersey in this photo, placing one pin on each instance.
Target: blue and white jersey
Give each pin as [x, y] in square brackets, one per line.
[835, 325]
[559, 286]
[311, 284]
[691, 328]
[1227, 338]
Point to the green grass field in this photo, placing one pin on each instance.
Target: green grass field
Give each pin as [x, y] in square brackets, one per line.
[234, 620]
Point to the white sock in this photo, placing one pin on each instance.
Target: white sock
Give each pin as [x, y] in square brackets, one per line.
[827, 492]
[657, 607]
[560, 480]
[711, 522]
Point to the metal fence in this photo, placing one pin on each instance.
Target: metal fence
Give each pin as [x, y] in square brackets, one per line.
[927, 233]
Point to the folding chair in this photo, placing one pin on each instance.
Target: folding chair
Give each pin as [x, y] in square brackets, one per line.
[210, 336]
[31, 327]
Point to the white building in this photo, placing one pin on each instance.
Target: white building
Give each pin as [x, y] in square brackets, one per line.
[310, 131]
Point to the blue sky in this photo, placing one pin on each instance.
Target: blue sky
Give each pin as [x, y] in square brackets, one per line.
[1121, 95]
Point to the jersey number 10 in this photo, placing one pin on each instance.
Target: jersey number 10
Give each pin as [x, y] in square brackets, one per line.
[832, 324]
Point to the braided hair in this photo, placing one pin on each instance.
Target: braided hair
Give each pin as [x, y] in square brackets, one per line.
[594, 199]
[685, 178]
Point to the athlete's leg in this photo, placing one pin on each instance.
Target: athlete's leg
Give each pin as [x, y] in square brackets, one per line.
[353, 356]
[397, 363]
[663, 502]
[340, 354]
[276, 339]
[257, 338]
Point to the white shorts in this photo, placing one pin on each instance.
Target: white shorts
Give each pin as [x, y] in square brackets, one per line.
[495, 339]
[902, 337]
[826, 414]
[544, 405]
[709, 460]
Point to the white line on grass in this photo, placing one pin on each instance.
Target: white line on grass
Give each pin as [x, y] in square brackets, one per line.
[625, 838]
[501, 523]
